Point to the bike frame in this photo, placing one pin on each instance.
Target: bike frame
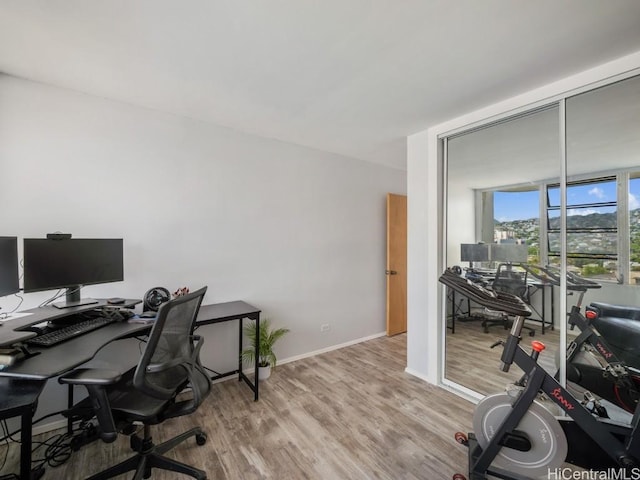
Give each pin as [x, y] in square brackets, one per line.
[624, 453]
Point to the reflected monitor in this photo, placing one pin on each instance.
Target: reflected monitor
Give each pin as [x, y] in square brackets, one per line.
[508, 253]
[474, 252]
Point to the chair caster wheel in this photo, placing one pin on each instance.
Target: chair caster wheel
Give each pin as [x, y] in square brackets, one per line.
[532, 333]
[458, 476]
[461, 438]
[201, 438]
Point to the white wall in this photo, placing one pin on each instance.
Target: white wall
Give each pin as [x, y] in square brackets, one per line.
[424, 347]
[297, 232]
[461, 217]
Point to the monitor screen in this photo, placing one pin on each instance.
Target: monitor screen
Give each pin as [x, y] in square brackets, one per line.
[9, 282]
[73, 262]
[474, 252]
[509, 252]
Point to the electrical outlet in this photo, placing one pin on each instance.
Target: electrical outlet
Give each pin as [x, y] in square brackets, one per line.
[325, 327]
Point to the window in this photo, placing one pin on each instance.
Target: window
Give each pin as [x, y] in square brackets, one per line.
[592, 227]
[516, 214]
[634, 227]
[603, 224]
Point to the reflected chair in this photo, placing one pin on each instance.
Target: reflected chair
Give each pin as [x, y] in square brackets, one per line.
[510, 280]
[168, 382]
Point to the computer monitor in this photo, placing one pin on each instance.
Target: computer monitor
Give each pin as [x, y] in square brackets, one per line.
[9, 279]
[508, 253]
[474, 252]
[71, 263]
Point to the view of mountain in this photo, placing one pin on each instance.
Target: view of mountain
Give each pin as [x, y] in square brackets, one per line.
[592, 242]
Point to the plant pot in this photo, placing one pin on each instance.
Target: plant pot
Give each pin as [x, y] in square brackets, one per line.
[264, 372]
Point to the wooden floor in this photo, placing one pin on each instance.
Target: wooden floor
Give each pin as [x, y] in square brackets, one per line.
[470, 360]
[351, 413]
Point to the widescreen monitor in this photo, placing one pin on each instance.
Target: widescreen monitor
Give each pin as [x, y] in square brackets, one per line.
[474, 252]
[9, 279]
[508, 253]
[71, 263]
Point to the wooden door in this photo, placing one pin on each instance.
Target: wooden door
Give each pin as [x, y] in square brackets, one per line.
[396, 271]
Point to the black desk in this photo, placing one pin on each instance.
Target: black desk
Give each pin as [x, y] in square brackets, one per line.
[18, 398]
[24, 380]
[225, 312]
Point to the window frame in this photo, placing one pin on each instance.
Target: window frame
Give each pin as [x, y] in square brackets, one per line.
[621, 204]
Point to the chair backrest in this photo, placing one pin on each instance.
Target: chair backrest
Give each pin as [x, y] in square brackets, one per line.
[171, 360]
[511, 281]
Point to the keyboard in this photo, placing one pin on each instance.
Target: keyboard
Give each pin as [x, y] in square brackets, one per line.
[70, 331]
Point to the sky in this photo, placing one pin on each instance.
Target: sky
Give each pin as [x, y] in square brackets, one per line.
[524, 205]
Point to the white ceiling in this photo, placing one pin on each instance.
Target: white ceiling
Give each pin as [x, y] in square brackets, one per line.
[354, 77]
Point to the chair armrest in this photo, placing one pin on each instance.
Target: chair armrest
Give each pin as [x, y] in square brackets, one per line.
[96, 380]
[91, 376]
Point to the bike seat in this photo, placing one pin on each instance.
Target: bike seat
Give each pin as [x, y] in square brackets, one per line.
[619, 311]
[622, 335]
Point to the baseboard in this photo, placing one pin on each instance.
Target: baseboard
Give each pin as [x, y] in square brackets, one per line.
[331, 348]
[419, 375]
[47, 427]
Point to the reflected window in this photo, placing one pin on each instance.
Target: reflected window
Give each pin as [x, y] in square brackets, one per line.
[516, 214]
[634, 227]
[592, 227]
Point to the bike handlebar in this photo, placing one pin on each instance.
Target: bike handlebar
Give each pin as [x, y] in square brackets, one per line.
[551, 275]
[500, 301]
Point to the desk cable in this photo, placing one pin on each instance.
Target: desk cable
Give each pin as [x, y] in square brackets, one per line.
[5, 315]
[58, 447]
[60, 293]
[5, 432]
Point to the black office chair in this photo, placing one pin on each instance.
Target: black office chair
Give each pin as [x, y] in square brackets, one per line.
[149, 392]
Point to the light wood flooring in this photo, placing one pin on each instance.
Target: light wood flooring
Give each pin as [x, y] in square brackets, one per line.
[471, 362]
[351, 413]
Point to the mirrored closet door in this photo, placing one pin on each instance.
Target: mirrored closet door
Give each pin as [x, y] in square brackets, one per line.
[496, 176]
[503, 217]
[603, 239]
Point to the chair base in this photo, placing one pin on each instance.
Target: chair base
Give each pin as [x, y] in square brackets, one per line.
[506, 324]
[150, 456]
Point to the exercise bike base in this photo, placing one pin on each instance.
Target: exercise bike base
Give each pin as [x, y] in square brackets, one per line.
[583, 452]
[474, 452]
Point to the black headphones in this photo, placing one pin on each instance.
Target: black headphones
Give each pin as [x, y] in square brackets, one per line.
[155, 297]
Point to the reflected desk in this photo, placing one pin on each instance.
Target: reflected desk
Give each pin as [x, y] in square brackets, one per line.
[457, 312]
[533, 288]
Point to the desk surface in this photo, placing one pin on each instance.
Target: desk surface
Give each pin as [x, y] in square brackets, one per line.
[53, 361]
[50, 362]
[11, 329]
[221, 312]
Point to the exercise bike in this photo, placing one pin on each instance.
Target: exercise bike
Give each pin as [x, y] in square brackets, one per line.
[517, 435]
[602, 357]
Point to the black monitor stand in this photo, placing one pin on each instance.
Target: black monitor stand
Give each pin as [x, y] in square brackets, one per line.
[73, 299]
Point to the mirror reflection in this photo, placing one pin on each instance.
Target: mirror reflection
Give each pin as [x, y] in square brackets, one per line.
[503, 231]
[495, 180]
[603, 244]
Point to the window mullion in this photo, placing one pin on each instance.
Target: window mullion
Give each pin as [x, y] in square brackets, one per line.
[624, 233]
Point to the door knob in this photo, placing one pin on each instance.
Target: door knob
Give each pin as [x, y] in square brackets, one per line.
[390, 272]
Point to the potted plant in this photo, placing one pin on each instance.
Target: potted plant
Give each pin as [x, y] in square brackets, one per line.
[268, 337]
